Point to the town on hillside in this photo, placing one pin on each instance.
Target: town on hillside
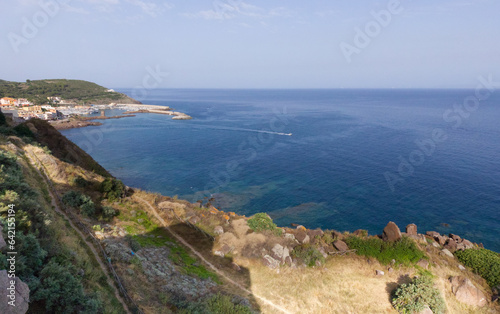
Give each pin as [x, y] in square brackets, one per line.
[22, 109]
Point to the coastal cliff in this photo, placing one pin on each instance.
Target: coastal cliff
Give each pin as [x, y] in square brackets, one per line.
[169, 254]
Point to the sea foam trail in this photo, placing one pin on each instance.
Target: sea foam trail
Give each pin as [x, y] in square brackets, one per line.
[240, 129]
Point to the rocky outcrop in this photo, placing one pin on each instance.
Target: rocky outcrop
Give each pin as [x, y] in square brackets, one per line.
[340, 245]
[391, 232]
[466, 292]
[218, 230]
[13, 289]
[302, 237]
[270, 262]
[411, 229]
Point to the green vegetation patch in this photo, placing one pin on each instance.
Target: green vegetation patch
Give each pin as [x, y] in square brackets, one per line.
[415, 296]
[404, 251]
[190, 265]
[308, 254]
[484, 262]
[261, 222]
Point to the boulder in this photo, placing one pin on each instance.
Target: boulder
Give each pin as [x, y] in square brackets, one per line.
[411, 229]
[277, 252]
[360, 232]
[441, 239]
[451, 245]
[288, 261]
[447, 253]
[460, 246]
[433, 234]
[340, 245]
[455, 237]
[379, 273]
[466, 292]
[270, 262]
[391, 232]
[467, 244]
[390, 269]
[337, 234]
[461, 267]
[218, 230]
[423, 263]
[314, 233]
[21, 291]
[289, 236]
[302, 237]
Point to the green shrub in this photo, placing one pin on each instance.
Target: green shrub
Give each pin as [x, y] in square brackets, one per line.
[222, 304]
[404, 251]
[113, 189]
[261, 222]
[108, 212]
[23, 130]
[73, 198]
[87, 209]
[413, 297]
[59, 288]
[484, 262]
[80, 182]
[307, 254]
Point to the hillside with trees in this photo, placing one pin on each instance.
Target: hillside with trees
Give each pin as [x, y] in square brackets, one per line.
[76, 91]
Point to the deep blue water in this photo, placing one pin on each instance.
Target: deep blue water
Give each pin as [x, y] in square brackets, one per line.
[330, 172]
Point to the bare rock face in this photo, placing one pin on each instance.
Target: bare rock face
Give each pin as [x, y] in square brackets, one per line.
[433, 234]
[467, 244]
[270, 262]
[218, 230]
[340, 245]
[302, 237]
[411, 229]
[466, 292]
[391, 232]
[278, 252]
[447, 253]
[451, 245]
[13, 287]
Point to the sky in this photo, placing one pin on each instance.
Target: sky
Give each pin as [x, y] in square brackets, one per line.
[252, 44]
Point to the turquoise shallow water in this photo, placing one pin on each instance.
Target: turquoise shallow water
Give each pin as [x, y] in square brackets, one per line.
[332, 171]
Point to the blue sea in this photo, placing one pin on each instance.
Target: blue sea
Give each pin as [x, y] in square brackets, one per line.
[355, 159]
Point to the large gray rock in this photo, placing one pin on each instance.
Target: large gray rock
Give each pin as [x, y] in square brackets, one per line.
[466, 292]
[302, 237]
[278, 252]
[447, 253]
[270, 262]
[411, 229]
[467, 244]
[13, 288]
[433, 234]
[451, 245]
[340, 245]
[391, 232]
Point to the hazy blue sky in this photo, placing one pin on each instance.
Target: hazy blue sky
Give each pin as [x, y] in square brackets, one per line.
[252, 44]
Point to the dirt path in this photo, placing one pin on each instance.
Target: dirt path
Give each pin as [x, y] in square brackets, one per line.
[111, 283]
[215, 269]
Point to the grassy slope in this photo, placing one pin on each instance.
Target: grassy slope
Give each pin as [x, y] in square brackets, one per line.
[75, 90]
[64, 149]
[93, 280]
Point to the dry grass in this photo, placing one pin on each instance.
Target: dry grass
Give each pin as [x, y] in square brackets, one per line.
[347, 284]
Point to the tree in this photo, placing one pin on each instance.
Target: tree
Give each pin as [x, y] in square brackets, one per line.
[59, 288]
[3, 121]
[112, 188]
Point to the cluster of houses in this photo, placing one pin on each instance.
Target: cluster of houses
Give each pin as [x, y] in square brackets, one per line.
[23, 109]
